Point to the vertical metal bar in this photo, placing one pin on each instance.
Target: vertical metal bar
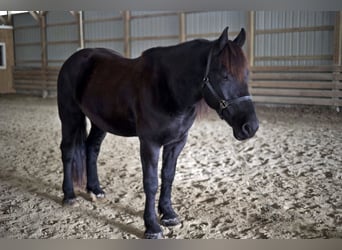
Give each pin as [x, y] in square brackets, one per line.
[127, 33]
[182, 27]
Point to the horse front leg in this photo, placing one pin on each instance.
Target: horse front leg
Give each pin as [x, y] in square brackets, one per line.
[149, 154]
[170, 156]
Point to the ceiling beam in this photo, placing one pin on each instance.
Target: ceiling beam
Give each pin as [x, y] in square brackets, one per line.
[36, 15]
[74, 13]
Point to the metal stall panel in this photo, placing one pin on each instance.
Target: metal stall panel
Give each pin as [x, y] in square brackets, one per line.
[104, 29]
[26, 40]
[293, 38]
[151, 29]
[209, 25]
[62, 36]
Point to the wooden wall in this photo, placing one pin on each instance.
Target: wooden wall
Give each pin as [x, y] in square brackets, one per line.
[6, 79]
[312, 84]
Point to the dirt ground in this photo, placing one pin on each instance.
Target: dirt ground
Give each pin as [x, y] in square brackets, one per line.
[286, 182]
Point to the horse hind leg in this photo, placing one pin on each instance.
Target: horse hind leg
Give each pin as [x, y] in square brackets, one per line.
[93, 144]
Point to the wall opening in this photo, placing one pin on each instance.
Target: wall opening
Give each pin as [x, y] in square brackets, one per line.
[2, 56]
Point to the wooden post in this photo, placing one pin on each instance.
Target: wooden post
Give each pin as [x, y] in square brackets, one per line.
[338, 38]
[337, 60]
[80, 29]
[43, 41]
[127, 33]
[9, 18]
[182, 27]
[251, 35]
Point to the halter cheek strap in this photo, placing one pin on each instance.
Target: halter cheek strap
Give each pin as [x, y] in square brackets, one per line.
[223, 103]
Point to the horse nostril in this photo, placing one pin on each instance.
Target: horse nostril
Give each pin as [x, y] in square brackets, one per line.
[246, 128]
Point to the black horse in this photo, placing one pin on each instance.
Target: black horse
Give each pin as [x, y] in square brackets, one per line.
[154, 97]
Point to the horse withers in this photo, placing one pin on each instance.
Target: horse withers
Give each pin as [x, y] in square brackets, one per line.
[154, 97]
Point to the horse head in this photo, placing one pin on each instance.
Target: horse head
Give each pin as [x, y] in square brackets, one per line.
[225, 85]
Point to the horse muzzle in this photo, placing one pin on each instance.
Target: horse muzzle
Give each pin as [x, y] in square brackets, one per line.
[246, 131]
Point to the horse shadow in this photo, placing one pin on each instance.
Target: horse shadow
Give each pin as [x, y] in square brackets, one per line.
[36, 185]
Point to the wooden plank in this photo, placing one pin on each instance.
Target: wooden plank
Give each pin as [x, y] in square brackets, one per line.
[56, 61]
[290, 58]
[30, 87]
[102, 20]
[35, 68]
[296, 29]
[212, 34]
[297, 100]
[23, 62]
[143, 38]
[105, 40]
[292, 92]
[35, 79]
[28, 74]
[328, 68]
[292, 84]
[62, 42]
[61, 24]
[27, 44]
[35, 84]
[35, 26]
[292, 76]
[154, 15]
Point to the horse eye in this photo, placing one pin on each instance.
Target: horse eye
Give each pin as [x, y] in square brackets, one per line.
[225, 78]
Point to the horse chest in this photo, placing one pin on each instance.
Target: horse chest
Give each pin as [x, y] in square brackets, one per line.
[173, 129]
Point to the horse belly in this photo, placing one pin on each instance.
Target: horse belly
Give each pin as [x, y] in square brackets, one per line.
[115, 124]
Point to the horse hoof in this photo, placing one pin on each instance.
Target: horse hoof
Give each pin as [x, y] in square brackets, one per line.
[95, 197]
[170, 222]
[154, 236]
[69, 202]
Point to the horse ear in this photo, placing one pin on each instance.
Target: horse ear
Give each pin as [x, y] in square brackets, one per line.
[241, 38]
[223, 39]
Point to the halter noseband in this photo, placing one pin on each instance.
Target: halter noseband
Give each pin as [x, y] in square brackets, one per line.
[223, 103]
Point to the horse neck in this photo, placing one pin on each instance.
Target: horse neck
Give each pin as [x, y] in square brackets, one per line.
[185, 65]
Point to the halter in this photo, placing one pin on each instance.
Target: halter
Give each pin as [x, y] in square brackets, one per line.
[223, 103]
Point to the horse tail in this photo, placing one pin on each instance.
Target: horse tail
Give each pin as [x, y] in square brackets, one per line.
[79, 159]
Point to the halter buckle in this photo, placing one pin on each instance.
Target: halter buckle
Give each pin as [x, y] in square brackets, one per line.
[223, 104]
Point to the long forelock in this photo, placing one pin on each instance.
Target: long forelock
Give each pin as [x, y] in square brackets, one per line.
[234, 59]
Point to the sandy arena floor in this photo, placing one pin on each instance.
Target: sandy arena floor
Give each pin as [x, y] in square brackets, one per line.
[286, 182]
